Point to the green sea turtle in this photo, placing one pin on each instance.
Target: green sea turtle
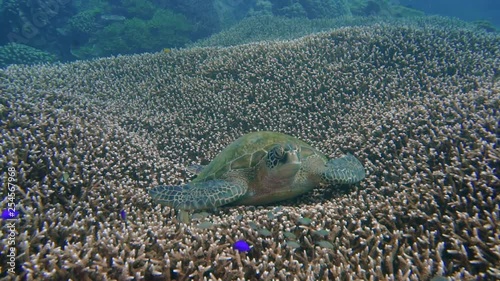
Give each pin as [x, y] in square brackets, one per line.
[259, 168]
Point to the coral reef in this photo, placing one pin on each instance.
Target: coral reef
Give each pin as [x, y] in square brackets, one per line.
[85, 22]
[230, 12]
[14, 53]
[203, 14]
[32, 22]
[164, 29]
[144, 9]
[325, 8]
[417, 104]
[382, 8]
[307, 8]
[485, 26]
[87, 29]
[261, 8]
[272, 28]
[269, 28]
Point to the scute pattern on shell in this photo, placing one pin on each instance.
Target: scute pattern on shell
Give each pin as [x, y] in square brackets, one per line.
[247, 151]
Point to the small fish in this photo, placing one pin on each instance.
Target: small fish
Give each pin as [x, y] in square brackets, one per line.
[113, 18]
[123, 214]
[9, 215]
[166, 51]
[205, 225]
[65, 177]
[242, 246]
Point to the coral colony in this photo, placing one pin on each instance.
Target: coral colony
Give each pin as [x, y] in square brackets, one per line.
[416, 103]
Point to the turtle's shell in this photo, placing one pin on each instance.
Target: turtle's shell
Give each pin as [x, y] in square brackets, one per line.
[247, 151]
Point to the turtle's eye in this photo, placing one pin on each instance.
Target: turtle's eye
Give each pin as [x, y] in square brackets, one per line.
[275, 156]
[280, 152]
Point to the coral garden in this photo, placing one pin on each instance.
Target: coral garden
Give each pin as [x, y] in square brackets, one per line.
[14, 53]
[418, 104]
[83, 29]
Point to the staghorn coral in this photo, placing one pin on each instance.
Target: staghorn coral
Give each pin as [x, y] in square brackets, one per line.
[14, 53]
[271, 28]
[418, 105]
[84, 22]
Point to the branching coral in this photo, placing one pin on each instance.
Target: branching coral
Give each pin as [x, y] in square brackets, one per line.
[14, 53]
[417, 103]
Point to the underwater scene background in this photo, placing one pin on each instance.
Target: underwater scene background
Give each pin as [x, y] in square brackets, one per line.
[33, 31]
[102, 100]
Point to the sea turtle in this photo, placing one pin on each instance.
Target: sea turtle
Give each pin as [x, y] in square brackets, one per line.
[259, 168]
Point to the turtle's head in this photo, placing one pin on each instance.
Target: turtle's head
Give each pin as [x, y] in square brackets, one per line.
[284, 160]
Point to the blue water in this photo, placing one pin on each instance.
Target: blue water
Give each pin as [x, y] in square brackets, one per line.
[464, 9]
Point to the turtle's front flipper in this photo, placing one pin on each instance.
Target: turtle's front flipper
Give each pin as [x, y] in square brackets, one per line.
[344, 170]
[195, 169]
[199, 195]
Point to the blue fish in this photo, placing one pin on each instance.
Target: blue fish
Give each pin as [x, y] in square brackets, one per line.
[242, 246]
[9, 215]
[123, 214]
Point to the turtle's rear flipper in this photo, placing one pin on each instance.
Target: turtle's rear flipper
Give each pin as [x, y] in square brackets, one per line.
[344, 170]
[199, 195]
